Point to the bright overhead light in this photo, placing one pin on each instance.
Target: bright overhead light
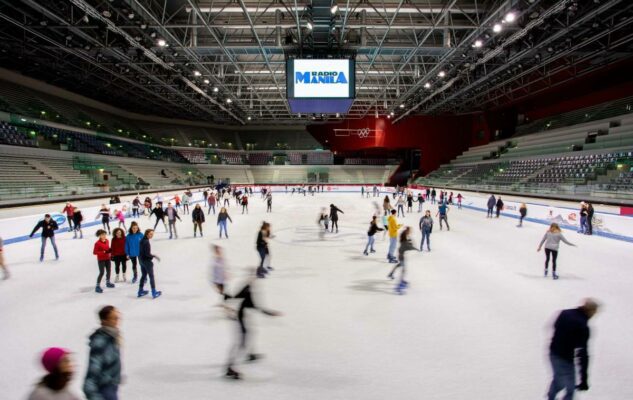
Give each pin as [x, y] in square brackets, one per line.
[106, 13]
[309, 25]
[338, 115]
[334, 8]
[402, 105]
[441, 74]
[388, 116]
[496, 28]
[206, 81]
[162, 42]
[196, 73]
[229, 101]
[392, 113]
[248, 118]
[478, 43]
[510, 17]
[215, 89]
[427, 85]
[130, 15]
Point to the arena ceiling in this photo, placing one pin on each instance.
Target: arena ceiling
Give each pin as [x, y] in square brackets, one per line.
[224, 61]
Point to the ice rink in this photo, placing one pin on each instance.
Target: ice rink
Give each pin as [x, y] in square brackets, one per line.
[474, 325]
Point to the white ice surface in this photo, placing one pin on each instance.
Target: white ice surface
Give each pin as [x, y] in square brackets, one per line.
[475, 323]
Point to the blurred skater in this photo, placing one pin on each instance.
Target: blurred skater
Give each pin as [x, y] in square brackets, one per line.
[392, 228]
[104, 213]
[3, 265]
[552, 239]
[104, 363]
[522, 214]
[60, 371]
[77, 220]
[499, 206]
[405, 245]
[223, 215]
[334, 210]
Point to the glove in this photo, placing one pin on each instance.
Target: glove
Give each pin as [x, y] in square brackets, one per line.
[583, 386]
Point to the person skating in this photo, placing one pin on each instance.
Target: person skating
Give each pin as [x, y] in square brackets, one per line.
[146, 259]
[362, 191]
[104, 214]
[69, 210]
[499, 206]
[583, 217]
[147, 205]
[420, 201]
[104, 363]
[48, 226]
[569, 343]
[405, 245]
[242, 344]
[590, 212]
[459, 201]
[227, 199]
[324, 219]
[120, 216]
[219, 275]
[522, 213]
[426, 228]
[386, 205]
[373, 228]
[409, 202]
[103, 252]
[334, 216]
[269, 202]
[552, 239]
[223, 215]
[118, 254]
[172, 216]
[3, 265]
[205, 194]
[185, 203]
[78, 218]
[60, 371]
[197, 217]
[442, 212]
[262, 249]
[433, 195]
[160, 215]
[392, 228]
[400, 205]
[492, 202]
[244, 202]
[136, 204]
[211, 200]
[132, 247]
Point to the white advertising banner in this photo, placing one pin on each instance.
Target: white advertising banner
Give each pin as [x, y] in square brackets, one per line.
[322, 79]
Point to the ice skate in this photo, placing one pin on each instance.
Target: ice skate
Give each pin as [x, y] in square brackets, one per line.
[98, 289]
[156, 293]
[142, 293]
[109, 285]
[124, 278]
[117, 279]
[135, 279]
[232, 374]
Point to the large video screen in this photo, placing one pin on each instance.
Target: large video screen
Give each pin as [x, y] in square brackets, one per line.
[320, 79]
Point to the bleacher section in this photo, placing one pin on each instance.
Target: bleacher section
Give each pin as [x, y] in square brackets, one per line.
[11, 135]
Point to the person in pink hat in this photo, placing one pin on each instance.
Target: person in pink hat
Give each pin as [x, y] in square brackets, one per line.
[54, 385]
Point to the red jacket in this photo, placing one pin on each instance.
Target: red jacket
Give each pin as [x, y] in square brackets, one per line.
[69, 211]
[102, 250]
[118, 246]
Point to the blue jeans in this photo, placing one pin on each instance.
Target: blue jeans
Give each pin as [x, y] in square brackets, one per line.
[147, 270]
[564, 378]
[109, 392]
[426, 234]
[52, 239]
[211, 207]
[370, 243]
[222, 225]
[393, 242]
[400, 209]
[583, 224]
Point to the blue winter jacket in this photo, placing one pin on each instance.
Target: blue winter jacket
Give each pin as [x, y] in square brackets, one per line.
[132, 244]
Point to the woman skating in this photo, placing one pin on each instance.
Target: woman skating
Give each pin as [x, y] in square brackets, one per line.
[78, 218]
[197, 217]
[160, 215]
[522, 214]
[334, 216]
[386, 205]
[426, 227]
[104, 213]
[373, 228]
[223, 216]
[262, 249]
[405, 245]
[400, 204]
[132, 247]
[552, 239]
[146, 259]
[244, 201]
[102, 251]
[118, 254]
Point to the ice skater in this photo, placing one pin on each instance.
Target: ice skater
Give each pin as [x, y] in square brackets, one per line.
[552, 239]
[104, 363]
[569, 343]
[197, 217]
[136, 204]
[160, 215]
[211, 200]
[269, 202]
[118, 254]
[223, 215]
[373, 228]
[590, 212]
[442, 212]
[185, 203]
[492, 201]
[146, 259]
[3, 265]
[426, 227]
[244, 202]
[133, 247]
[409, 202]
[400, 205]
[522, 214]
[242, 344]
[69, 210]
[104, 213]
[583, 217]
[392, 228]
[172, 216]
[103, 252]
[120, 216]
[420, 201]
[459, 201]
[323, 222]
[60, 371]
[499, 206]
[405, 245]
[334, 210]
[48, 226]
[261, 245]
[78, 218]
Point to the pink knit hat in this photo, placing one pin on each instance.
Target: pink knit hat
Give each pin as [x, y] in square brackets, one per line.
[52, 357]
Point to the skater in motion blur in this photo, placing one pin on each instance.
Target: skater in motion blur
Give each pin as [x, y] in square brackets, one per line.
[104, 213]
[146, 259]
[392, 228]
[426, 227]
[48, 226]
[522, 213]
[242, 344]
[334, 210]
[492, 202]
[569, 343]
[3, 265]
[104, 364]
[373, 228]
[405, 245]
[552, 239]
[324, 219]
[262, 248]
[54, 385]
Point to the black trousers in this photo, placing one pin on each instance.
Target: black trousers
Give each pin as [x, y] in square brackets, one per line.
[590, 225]
[134, 260]
[554, 255]
[120, 263]
[334, 223]
[147, 270]
[104, 267]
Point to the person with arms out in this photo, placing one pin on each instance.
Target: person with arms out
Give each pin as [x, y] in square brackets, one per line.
[334, 210]
[442, 212]
[569, 343]
[104, 214]
[55, 384]
[373, 228]
[160, 215]
[552, 239]
[104, 363]
[146, 259]
[48, 226]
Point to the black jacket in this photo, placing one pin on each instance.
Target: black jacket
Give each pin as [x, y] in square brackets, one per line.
[145, 252]
[223, 217]
[48, 228]
[197, 215]
[334, 213]
[77, 217]
[523, 211]
[373, 228]
[571, 333]
[158, 212]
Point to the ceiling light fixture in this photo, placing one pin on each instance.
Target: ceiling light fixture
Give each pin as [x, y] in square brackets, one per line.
[496, 28]
[510, 17]
[161, 42]
[441, 74]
